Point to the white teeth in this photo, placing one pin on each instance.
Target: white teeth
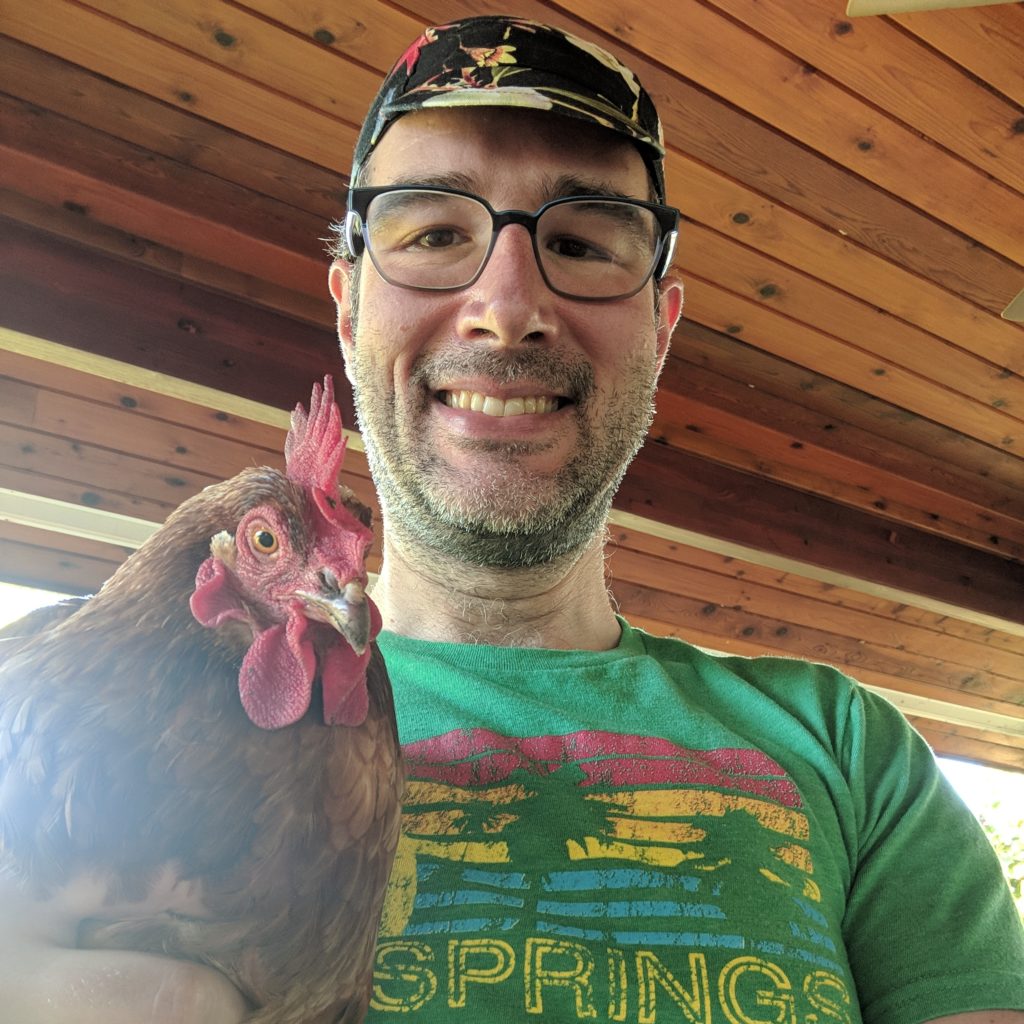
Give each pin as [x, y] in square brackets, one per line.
[491, 406]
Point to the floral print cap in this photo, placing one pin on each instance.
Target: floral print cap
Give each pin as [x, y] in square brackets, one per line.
[499, 61]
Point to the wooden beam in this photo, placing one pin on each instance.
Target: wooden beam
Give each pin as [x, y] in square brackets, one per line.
[65, 564]
[75, 226]
[49, 83]
[972, 744]
[927, 451]
[984, 40]
[891, 69]
[832, 590]
[684, 491]
[57, 161]
[878, 375]
[704, 414]
[190, 82]
[57, 291]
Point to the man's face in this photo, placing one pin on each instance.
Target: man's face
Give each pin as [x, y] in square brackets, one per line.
[485, 488]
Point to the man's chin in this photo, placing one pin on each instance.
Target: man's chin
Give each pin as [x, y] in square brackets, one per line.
[501, 507]
[503, 531]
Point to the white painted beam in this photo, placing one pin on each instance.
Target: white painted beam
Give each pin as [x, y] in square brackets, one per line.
[863, 8]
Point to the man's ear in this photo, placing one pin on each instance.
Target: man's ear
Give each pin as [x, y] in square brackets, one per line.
[340, 281]
[670, 309]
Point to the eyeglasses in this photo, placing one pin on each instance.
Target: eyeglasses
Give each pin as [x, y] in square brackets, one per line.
[439, 239]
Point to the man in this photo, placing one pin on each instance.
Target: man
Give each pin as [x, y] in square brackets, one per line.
[600, 825]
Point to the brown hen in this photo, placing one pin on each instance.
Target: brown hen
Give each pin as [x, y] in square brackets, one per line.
[207, 747]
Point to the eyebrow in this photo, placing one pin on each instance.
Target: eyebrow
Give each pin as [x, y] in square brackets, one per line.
[572, 185]
[552, 188]
[449, 179]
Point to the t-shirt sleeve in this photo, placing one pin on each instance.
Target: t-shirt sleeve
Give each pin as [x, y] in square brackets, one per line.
[930, 928]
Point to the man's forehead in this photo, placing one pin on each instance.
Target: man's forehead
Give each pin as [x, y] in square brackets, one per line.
[459, 148]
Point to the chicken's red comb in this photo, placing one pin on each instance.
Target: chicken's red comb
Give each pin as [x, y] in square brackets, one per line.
[315, 446]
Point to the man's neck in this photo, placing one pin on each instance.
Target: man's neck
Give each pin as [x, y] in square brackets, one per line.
[564, 605]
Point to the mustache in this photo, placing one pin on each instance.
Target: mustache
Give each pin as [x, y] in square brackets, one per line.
[572, 378]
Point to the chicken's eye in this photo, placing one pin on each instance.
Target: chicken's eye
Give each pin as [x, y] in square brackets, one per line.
[263, 541]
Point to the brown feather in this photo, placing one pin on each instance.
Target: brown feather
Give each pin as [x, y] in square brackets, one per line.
[124, 751]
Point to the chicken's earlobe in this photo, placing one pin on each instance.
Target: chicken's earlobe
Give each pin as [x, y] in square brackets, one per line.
[215, 599]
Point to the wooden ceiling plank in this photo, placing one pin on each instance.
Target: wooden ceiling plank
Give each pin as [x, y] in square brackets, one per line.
[684, 555]
[693, 426]
[53, 84]
[172, 227]
[912, 606]
[47, 568]
[800, 295]
[984, 40]
[742, 214]
[60, 163]
[84, 37]
[949, 658]
[140, 317]
[702, 127]
[373, 33]
[766, 329]
[129, 432]
[946, 659]
[94, 469]
[74, 226]
[889, 461]
[63, 543]
[93, 154]
[262, 440]
[781, 636]
[232, 38]
[686, 492]
[29, 482]
[971, 744]
[890, 69]
[905, 444]
[741, 68]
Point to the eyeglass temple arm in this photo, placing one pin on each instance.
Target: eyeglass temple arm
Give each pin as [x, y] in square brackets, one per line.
[668, 253]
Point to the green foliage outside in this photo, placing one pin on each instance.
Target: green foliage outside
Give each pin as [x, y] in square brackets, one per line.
[1007, 836]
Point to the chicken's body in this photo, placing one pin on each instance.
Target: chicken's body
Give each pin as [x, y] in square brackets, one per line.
[129, 771]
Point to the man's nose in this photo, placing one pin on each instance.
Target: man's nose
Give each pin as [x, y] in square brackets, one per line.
[509, 303]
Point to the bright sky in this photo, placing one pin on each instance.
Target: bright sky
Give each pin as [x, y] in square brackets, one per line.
[978, 785]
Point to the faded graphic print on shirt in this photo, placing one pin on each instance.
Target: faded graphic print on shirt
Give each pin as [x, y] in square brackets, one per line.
[606, 877]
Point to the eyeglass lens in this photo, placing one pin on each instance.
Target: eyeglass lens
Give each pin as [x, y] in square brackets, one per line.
[589, 248]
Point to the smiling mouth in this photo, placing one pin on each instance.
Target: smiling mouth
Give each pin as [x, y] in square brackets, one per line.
[489, 405]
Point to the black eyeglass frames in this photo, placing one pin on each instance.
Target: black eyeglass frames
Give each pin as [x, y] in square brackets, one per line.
[589, 247]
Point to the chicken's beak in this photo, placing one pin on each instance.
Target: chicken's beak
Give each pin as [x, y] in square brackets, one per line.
[346, 610]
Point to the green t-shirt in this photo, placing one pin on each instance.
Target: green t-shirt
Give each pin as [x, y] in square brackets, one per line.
[655, 834]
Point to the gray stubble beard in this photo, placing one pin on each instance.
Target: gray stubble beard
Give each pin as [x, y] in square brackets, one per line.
[498, 524]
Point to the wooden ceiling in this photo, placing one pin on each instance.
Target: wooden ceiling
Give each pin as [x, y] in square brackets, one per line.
[835, 471]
